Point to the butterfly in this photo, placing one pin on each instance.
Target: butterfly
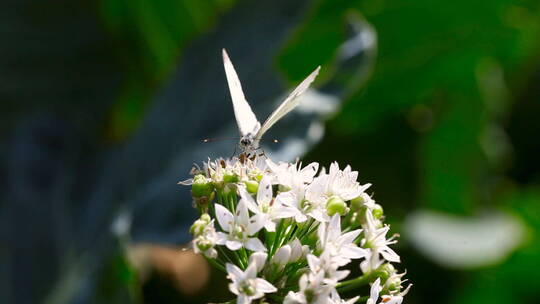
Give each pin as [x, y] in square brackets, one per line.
[250, 128]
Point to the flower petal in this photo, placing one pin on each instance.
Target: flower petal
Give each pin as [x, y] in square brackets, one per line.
[233, 245]
[254, 244]
[248, 200]
[224, 216]
[256, 223]
[264, 286]
[234, 273]
[264, 195]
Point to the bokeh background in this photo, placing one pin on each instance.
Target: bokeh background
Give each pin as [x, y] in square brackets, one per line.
[103, 106]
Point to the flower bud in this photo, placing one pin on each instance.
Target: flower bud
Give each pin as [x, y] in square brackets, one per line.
[202, 186]
[206, 218]
[230, 177]
[377, 211]
[357, 203]
[282, 256]
[204, 243]
[385, 271]
[394, 283]
[336, 205]
[259, 258]
[252, 186]
[296, 250]
[198, 227]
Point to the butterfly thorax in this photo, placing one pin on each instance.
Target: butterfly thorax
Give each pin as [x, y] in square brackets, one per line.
[248, 142]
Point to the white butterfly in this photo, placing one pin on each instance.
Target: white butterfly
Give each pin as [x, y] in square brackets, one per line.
[250, 128]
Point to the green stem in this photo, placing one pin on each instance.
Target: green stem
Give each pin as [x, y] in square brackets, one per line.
[216, 264]
[354, 283]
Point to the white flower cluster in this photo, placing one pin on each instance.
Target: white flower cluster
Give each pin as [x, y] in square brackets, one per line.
[286, 232]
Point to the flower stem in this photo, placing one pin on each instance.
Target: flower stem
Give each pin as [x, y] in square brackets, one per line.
[354, 283]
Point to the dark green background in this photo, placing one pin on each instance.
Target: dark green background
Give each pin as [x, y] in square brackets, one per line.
[100, 102]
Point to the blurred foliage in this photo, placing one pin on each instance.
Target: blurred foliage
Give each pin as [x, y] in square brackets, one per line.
[447, 120]
[150, 37]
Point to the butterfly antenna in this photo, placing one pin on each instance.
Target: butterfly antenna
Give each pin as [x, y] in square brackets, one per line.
[208, 140]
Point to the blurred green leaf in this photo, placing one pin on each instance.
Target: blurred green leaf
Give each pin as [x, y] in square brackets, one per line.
[150, 36]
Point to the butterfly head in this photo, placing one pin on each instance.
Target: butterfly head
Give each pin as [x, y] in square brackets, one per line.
[248, 142]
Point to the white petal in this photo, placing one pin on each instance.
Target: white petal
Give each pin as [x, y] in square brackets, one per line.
[341, 274]
[242, 214]
[319, 215]
[259, 258]
[334, 228]
[256, 223]
[234, 272]
[233, 245]
[234, 289]
[264, 286]
[353, 252]
[284, 212]
[254, 244]
[224, 217]
[264, 195]
[300, 218]
[313, 262]
[309, 171]
[375, 289]
[251, 271]
[187, 182]
[242, 299]
[390, 255]
[221, 238]
[349, 237]
[296, 250]
[270, 225]
[282, 255]
[248, 200]
[287, 198]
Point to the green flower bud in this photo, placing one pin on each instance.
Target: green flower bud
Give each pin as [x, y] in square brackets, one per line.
[230, 177]
[357, 203]
[394, 283]
[377, 211]
[336, 205]
[252, 186]
[206, 218]
[202, 186]
[385, 271]
[198, 227]
[204, 244]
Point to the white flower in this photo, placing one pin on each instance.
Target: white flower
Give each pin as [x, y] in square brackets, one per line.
[295, 198]
[374, 292]
[246, 285]
[328, 266]
[340, 247]
[336, 299]
[206, 240]
[239, 227]
[265, 205]
[292, 175]
[338, 183]
[312, 290]
[385, 299]
[376, 244]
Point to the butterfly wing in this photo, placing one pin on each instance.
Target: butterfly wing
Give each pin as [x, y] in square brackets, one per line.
[246, 120]
[288, 104]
